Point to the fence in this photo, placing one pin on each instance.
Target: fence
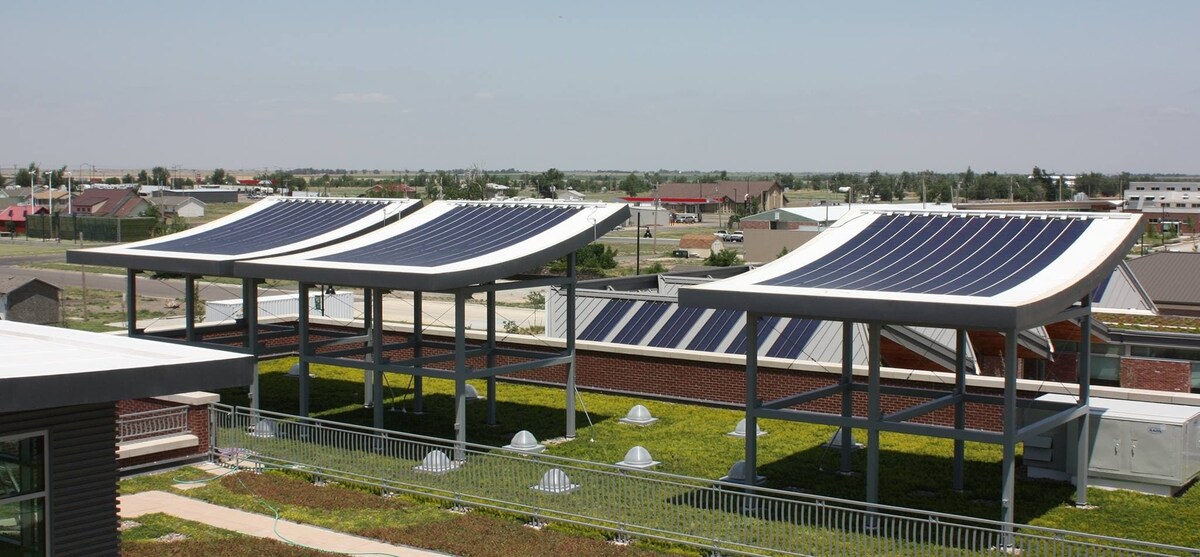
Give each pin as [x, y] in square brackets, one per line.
[152, 423]
[90, 229]
[719, 516]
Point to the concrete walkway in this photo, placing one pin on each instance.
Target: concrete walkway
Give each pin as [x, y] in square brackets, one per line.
[262, 526]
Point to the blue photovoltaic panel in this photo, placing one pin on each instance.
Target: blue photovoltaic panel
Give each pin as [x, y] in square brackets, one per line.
[715, 330]
[676, 327]
[642, 321]
[738, 345]
[462, 233]
[285, 222]
[952, 255]
[793, 338]
[610, 314]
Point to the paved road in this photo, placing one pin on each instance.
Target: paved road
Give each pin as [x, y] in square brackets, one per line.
[145, 285]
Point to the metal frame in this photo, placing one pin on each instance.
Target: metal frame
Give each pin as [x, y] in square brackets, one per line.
[371, 358]
[898, 421]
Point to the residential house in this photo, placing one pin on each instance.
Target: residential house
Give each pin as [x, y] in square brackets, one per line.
[13, 218]
[172, 206]
[723, 195]
[120, 203]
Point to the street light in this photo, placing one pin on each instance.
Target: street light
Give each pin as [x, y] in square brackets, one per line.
[70, 187]
[50, 181]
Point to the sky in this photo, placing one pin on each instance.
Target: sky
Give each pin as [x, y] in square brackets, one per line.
[740, 86]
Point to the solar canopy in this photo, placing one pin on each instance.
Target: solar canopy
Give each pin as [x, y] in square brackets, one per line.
[978, 270]
[273, 226]
[450, 244]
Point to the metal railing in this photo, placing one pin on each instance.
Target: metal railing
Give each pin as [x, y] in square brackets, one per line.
[152, 423]
[723, 517]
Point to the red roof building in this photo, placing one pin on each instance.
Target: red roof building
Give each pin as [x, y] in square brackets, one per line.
[13, 218]
[102, 202]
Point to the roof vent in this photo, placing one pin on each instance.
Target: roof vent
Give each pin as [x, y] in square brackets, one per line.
[436, 462]
[294, 371]
[265, 428]
[740, 430]
[472, 393]
[638, 415]
[737, 474]
[525, 442]
[638, 457]
[555, 481]
[836, 442]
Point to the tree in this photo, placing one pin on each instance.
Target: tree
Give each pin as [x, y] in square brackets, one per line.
[723, 258]
[27, 177]
[160, 176]
[633, 184]
[548, 183]
[143, 178]
[220, 177]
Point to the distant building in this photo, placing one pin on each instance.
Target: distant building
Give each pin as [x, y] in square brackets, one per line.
[172, 206]
[119, 203]
[12, 218]
[713, 197]
[1176, 203]
[30, 300]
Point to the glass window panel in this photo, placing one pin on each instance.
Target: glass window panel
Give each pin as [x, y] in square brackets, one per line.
[23, 528]
[1105, 368]
[22, 466]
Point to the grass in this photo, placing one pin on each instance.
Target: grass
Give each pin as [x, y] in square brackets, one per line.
[202, 541]
[397, 519]
[690, 440]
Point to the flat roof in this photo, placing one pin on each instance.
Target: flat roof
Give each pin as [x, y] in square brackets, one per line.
[273, 226]
[449, 244]
[48, 367]
[961, 269]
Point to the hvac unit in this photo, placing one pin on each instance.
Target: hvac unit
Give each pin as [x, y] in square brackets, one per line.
[1141, 446]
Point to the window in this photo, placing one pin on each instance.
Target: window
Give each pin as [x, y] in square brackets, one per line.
[1181, 204]
[1154, 188]
[1196, 377]
[23, 495]
[1171, 188]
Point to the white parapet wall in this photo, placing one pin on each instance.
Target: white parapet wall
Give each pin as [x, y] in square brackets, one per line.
[338, 307]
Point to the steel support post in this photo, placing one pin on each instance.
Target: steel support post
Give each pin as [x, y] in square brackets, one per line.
[1009, 466]
[189, 309]
[847, 382]
[250, 315]
[460, 369]
[1082, 442]
[570, 426]
[131, 302]
[302, 361]
[377, 356]
[491, 356]
[960, 406]
[418, 336]
[368, 331]
[874, 412]
[750, 471]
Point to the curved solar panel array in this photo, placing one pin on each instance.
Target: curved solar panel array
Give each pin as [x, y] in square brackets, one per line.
[284, 222]
[462, 233]
[951, 255]
[663, 324]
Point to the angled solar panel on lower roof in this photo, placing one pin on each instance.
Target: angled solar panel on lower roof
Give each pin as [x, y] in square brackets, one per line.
[642, 322]
[609, 316]
[451, 244]
[273, 226]
[979, 269]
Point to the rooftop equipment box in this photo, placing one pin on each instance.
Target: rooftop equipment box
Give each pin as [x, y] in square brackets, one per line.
[1141, 446]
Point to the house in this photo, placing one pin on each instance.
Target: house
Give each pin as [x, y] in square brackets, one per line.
[30, 300]
[392, 190]
[700, 245]
[52, 198]
[725, 194]
[1169, 278]
[186, 207]
[13, 218]
[58, 427]
[119, 203]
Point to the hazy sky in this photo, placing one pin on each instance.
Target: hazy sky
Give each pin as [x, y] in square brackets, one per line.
[780, 86]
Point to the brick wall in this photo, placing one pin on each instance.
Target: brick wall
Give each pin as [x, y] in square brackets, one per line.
[1158, 375]
[197, 423]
